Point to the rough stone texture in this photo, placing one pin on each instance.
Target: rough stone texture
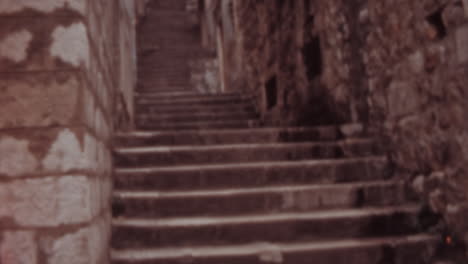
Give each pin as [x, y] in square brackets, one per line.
[52, 151]
[53, 96]
[18, 247]
[61, 102]
[17, 159]
[397, 66]
[83, 246]
[47, 202]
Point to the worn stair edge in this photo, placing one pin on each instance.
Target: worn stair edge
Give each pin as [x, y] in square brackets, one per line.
[200, 125]
[262, 165]
[258, 135]
[238, 229]
[226, 175]
[255, 251]
[232, 153]
[254, 200]
[192, 100]
[192, 93]
[191, 117]
[240, 146]
[174, 109]
[188, 95]
[196, 222]
[122, 194]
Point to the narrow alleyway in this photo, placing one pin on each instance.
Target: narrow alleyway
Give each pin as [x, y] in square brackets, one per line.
[201, 181]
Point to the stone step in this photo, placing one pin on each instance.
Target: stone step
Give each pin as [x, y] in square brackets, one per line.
[255, 174]
[201, 100]
[169, 66]
[170, 74]
[225, 124]
[164, 89]
[152, 81]
[238, 153]
[280, 227]
[159, 11]
[165, 72]
[148, 86]
[210, 137]
[178, 24]
[153, 78]
[166, 67]
[189, 95]
[153, 61]
[157, 50]
[181, 34]
[187, 109]
[179, 47]
[144, 118]
[398, 249]
[166, 43]
[166, 6]
[272, 199]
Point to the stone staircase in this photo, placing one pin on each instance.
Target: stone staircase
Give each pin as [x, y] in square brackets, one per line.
[202, 182]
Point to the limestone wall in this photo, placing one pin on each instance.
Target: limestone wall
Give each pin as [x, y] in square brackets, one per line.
[66, 81]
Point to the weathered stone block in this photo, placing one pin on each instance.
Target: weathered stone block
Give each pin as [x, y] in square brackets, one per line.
[416, 62]
[52, 151]
[17, 158]
[41, 99]
[98, 240]
[89, 107]
[462, 44]
[47, 202]
[403, 98]
[18, 247]
[88, 245]
[465, 5]
[71, 248]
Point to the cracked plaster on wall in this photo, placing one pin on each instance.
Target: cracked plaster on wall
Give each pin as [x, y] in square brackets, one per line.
[14, 46]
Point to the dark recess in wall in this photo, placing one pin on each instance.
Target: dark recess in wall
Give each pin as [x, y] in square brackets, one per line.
[435, 19]
[271, 92]
[312, 53]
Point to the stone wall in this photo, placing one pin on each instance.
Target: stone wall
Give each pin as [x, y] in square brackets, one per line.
[399, 67]
[276, 52]
[416, 69]
[60, 102]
